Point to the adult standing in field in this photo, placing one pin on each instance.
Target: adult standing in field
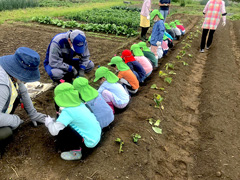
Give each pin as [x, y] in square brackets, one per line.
[60, 62]
[14, 70]
[164, 8]
[145, 18]
[212, 13]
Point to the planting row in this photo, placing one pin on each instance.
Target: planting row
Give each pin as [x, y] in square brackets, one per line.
[106, 28]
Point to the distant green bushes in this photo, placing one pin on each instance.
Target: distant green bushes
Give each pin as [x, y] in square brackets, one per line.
[17, 4]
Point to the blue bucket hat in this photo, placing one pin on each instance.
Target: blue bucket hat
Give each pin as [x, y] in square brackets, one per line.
[22, 65]
[78, 40]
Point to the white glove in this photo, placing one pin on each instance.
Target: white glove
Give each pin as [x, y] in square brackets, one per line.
[148, 17]
[223, 23]
[48, 120]
[159, 43]
[38, 117]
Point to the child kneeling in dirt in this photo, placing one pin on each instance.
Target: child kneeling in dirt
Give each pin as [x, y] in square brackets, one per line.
[157, 32]
[139, 56]
[135, 66]
[170, 31]
[180, 26]
[112, 92]
[76, 127]
[176, 30]
[127, 78]
[148, 54]
[94, 101]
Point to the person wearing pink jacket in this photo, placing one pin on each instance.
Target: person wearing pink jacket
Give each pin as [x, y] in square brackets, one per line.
[212, 11]
[139, 56]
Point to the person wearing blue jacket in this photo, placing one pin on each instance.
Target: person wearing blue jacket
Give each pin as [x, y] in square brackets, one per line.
[157, 32]
[60, 62]
[94, 101]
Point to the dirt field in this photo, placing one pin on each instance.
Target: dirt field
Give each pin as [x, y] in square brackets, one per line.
[200, 120]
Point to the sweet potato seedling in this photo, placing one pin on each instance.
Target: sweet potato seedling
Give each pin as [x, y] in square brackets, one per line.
[135, 137]
[162, 74]
[168, 80]
[154, 86]
[121, 144]
[169, 66]
[158, 99]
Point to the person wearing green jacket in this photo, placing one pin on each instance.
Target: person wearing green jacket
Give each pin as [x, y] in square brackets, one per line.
[148, 54]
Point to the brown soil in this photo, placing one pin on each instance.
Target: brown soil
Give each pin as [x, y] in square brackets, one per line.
[200, 122]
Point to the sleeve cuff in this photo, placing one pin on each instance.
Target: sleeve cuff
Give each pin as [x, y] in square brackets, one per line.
[82, 67]
[70, 69]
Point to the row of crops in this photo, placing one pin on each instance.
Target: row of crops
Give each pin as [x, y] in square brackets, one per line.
[119, 20]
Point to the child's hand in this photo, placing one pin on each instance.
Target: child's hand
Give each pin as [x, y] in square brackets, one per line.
[48, 120]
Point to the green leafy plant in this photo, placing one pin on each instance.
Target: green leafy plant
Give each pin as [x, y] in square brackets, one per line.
[190, 55]
[135, 137]
[162, 74]
[184, 63]
[121, 144]
[168, 80]
[178, 57]
[169, 66]
[158, 99]
[155, 125]
[154, 86]
[183, 52]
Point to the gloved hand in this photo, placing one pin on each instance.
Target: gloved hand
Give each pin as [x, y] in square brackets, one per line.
[81, 72]
[148, 17]
[38, 117]
[223, 23]
[48, 120]
[19, 82]
[158, 43]
[74, 71]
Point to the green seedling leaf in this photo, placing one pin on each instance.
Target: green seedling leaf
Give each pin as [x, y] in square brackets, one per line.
[184, 63]
[168, 80]
[157, 130]
[121, 144]
[169, 65]
[154, 86]
[157, 123]
[136, 137]
[162, 89]
[161, 74]
[190, 55]
[172, 72]
[150, 120]
[178, 57]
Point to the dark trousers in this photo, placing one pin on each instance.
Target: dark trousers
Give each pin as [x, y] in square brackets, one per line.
[68, 139]
[144, 31]
[204, 36]
[6, 132]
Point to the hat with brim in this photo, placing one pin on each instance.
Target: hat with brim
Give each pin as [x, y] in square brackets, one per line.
[136, 50]
[144, 46]
[167, 26]
[154, 13]
[173, 25]
[117, 60]
[127, 56]
[106, 73]
[22, 65]
[66, 95]
[177, 22]
[86, 91]
[78, 40]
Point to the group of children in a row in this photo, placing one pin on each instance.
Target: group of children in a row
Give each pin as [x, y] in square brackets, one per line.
[85, 111]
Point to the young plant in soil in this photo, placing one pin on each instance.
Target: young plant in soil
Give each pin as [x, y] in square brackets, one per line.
[168, 80]
[135, 137]
[121, 144]
[169, 66]
[158, 99]
[162, 74]
[154, 86]
[184, 63]
[155, 125]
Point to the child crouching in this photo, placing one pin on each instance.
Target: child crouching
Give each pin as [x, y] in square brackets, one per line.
[112, 92]
[76, 127]
[94, 101]
[125, 74]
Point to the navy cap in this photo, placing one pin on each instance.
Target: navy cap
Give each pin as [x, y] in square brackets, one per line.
[78, 40]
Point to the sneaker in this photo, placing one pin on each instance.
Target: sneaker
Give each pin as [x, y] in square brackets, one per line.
[202, 50]
[71, 155]
[207, 48]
